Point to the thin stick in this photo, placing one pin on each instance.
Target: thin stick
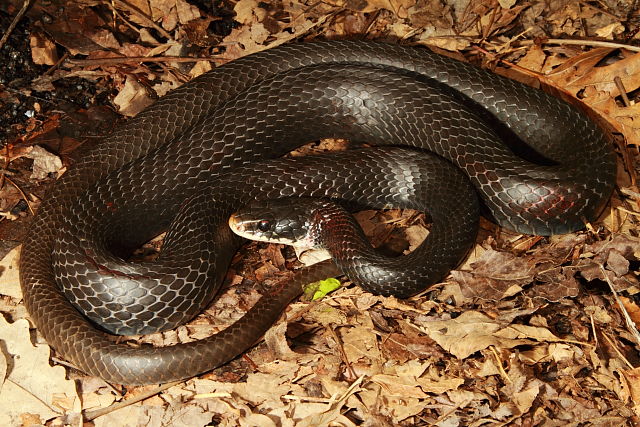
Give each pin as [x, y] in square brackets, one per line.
[24, 196]
[126, 59]
[630, 323]
[6, 165]
[91, 415]
[25, 6]
[146, 18]
[609, 14]
[55, 66]
[623, 91]
[577, 42]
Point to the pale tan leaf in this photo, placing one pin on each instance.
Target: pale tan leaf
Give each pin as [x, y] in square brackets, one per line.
[44, 162]
[133, 98]
[9, 274]
[43, 50]
[31, 385]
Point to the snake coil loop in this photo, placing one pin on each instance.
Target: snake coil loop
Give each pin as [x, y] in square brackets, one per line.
[260, 107]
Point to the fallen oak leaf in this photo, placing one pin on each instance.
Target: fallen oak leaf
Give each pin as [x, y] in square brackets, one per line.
[400, 385]
[496, 275]
[473, 331]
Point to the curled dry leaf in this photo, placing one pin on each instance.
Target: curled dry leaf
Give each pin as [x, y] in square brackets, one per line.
[44, 162]
[43, 50]
[133, 98]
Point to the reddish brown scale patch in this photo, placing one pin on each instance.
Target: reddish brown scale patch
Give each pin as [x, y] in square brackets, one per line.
[106, 271]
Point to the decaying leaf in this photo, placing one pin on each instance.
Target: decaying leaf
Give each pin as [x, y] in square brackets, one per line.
[44, 162]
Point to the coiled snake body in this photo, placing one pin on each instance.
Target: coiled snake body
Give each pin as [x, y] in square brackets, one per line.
[214, 128]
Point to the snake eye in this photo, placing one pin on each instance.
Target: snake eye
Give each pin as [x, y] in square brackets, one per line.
[264, 225]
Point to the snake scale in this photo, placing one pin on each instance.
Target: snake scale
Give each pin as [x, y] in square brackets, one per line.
[219, 128]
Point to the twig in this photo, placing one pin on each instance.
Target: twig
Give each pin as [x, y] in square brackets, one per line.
[25, 6]
[250, 360]
[577, 42]
[6, 165]
[623, 91]
[507, 63]
[604, 12]
[91, 415]
[117, 14]
[57, 64]
[306, 398]
[146, 18]
[343, 354]
[630, 324]
[486, 30]
[24, 196]
[125, 59]
[372, 21]
[503, 373]
[617, 350]
[627, 211]
[32, 394]
[593, 330]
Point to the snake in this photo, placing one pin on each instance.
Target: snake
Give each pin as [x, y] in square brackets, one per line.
[538, 164]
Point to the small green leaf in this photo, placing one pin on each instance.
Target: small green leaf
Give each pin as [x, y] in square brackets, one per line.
[318, 290]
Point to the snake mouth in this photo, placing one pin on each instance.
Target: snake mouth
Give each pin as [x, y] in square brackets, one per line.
[235, 224]
[243, 229]
[306, 250]
[249, 229]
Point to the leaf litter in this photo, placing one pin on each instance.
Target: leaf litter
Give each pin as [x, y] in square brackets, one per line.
[528, 331]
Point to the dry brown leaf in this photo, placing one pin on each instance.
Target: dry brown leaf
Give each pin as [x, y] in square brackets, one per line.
[32, 385]
[597, 88]
[44, 162]
[473, 331]
[247, 11]
[332, 413]
[260, 388]
[360, 345]
[557, 284]
[43, 50]
[9, 274]
[399, 386]
[133, 98]
[534, 59]
[325, 315]
[367, 6]
[276, 340]
[632, 308]
[495, 275]
[633, 381]
[522, 390]
[105, 39]
[409, 344]
[169, 13]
